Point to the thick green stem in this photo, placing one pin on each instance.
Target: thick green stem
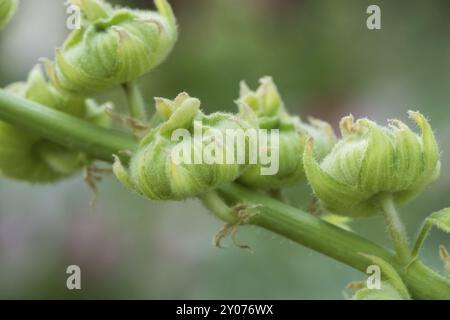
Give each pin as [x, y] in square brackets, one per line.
[137, 106]
[273, 215]
[337, 243]
[64, 129]
[214, 203]
[136, 103]
[396, 229]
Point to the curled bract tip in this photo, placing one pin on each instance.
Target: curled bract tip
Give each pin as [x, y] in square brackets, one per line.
[347, 125]
[309, 145]
[420, 120]
[243, 89]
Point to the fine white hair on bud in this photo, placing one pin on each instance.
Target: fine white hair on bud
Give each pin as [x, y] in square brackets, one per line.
[371, 161]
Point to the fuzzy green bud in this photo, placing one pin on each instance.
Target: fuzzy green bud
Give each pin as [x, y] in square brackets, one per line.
[25, 156]
[154, 171]
[113, 46]
[270, 111]
[371, 162]
[7, 10]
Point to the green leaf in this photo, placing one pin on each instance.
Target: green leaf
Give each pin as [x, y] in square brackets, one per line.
[440, 219]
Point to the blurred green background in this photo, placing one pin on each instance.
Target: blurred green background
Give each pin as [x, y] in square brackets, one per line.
[326, 64]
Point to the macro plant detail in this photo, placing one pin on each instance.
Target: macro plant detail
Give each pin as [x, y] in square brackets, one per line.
[27, 157]
[372, 162]
[271, 113]
[152, 170]
[374, 168]
[113, 46]
[51, 127]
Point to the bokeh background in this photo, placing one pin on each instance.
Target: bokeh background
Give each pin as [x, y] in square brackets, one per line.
[326, 64]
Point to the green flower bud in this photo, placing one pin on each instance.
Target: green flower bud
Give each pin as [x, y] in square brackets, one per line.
[154, 171]
[113, 46]
[7, 10]
[373, 161]
[270, 112]
[24, 156]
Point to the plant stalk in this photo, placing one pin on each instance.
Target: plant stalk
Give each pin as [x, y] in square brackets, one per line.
[421, 238]
[396, 229]
[136, 103]
[214, 203]
[100, 143]
[273, 215]
[337, 243]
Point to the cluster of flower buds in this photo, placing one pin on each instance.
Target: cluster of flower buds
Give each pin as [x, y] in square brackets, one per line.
[113, 46]
[24, 156]
[371, 162]
[7, 10]
[154, 171]
[116, 45]
[271, 113]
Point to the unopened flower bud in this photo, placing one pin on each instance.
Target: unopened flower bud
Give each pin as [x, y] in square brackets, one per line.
[154, 170]
[371, 162]
[113, 46]
[271, 113]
